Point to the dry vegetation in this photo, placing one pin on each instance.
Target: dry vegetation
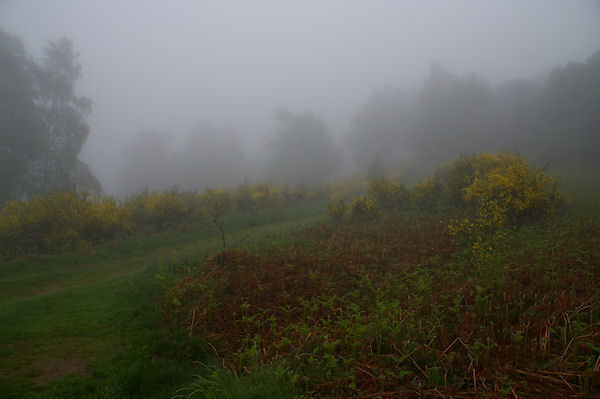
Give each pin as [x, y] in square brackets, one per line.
[389, 303]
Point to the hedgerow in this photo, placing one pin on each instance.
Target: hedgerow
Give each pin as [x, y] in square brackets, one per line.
[387, 194]
[158, 211]
[60, 221]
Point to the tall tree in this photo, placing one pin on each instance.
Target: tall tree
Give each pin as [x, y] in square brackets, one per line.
[21, 139]
[42, 120]
[379, 131]
[63, 116]
[572, 105]
[303, 150]
[454, 116]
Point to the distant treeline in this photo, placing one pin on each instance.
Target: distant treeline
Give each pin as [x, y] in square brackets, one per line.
[555, 120]
[43, 128]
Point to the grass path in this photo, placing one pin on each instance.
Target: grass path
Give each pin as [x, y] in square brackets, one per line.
[85, 324]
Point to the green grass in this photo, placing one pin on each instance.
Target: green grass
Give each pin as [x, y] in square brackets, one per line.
[350, 309]
[85, 324]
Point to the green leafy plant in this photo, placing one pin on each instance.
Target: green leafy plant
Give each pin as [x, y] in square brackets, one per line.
[362, 208]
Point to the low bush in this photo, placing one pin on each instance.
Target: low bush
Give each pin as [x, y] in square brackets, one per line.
[362, 208]
[513, 193]
[158, 211]
[428, 197]
[505, 192]
[337, 210]
[459, 174]
[388, 195]
[59, 221]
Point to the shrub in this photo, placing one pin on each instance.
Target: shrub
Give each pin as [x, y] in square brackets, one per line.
[67, 220]
[216, 204]
[362, 208]
[58, 221]
[428, 196]
[505, 192]
[347, 189]
[243, 201]
[388, 195]
[337, 209]
[513, 193]
[459, 174]
[106, 219]
[159, 211]
[303, 193]
[266, 195]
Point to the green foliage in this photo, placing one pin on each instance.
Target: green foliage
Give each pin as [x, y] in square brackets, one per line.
[260, 196]
[389, 307]
[58, 221]
[158, 211]
[342, 192]
[62, 114]
[43, 121]
[428, 197]
[224, 383]
[392, 306]
[265, 195]
[388, 195]
[337, 210]
[513, 192]
[216, 204]
[21, 139]
[505, 192]
[459, 174]
[348, 188]
[98, 306]
[362, 208]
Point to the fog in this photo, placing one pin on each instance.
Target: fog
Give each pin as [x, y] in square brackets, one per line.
[192, 92]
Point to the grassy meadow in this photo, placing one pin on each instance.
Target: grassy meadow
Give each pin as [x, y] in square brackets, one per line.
[376, 300]
[86, 323]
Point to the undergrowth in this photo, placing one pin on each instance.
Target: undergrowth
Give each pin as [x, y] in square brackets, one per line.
[390, 303]
[356, 311]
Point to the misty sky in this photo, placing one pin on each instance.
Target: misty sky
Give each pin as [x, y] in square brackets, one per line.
[164, 65]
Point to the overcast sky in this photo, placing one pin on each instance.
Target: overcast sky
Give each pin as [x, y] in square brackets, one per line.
[164, 65]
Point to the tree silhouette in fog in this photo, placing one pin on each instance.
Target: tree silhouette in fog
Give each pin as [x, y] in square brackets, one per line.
[302, 150]
[42, 120]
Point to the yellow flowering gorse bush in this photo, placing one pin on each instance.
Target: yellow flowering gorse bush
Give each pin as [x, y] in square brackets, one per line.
[387, 194]
[157, 211]
[362, 207]
[346, 189]
[459, 174]
[506, 192]
[427, 196]
[67, 220]
[59, 221]
[514, 192]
